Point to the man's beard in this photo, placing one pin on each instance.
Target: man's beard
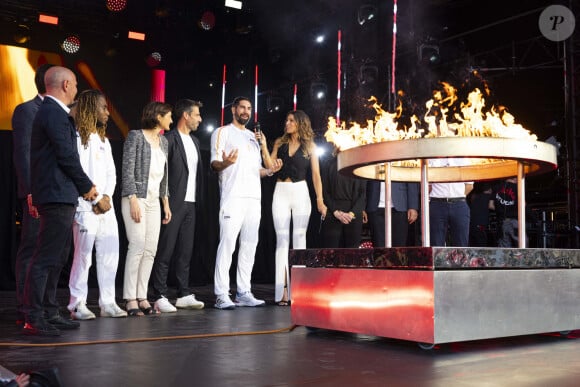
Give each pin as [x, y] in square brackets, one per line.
[242, 121]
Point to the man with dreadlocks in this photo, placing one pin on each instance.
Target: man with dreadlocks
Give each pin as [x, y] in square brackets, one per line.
[95, 224]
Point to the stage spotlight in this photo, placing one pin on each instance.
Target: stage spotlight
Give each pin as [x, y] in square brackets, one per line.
[429, 53]
[48, 19]
[241, 72]
[136, 35]
[366, 13]
[318, 92]
[22, 35]
[274, 104]
[368, 74]
[153, 59]
[234, 4]
[71, 44]
[207, 21]
[319, 39]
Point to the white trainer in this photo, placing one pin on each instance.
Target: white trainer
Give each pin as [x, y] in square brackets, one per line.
[164, 306]
[248, 299]
[81, 312]
[224, 302]
[112, 310]
[189, 302]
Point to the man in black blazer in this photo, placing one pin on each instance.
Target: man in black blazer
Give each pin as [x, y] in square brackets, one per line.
[57, 180]
[404, 206]
[22, 119]
[185, 181]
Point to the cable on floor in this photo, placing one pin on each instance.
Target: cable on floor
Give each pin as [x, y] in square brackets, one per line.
[147, 339]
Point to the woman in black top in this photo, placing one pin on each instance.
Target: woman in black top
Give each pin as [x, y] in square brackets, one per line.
[291, 199]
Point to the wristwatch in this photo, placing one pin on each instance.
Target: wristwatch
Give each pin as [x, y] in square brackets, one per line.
[131, 196]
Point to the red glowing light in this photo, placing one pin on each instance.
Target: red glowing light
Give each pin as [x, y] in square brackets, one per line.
[116, 5]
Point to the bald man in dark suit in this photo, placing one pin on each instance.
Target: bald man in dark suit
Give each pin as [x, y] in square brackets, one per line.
[57, 180]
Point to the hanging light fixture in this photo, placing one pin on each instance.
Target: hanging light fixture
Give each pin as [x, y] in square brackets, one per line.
[71, 44]
[116, 5]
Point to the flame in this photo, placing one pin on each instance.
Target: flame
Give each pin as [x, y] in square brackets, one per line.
[442, 119]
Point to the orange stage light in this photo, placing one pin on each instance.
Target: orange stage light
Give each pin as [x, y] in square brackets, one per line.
[42, 18]
[136, 35]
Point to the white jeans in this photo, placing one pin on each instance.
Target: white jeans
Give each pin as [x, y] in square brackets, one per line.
[291, 200]
[143, 238]
[100, 231]
[237, 216]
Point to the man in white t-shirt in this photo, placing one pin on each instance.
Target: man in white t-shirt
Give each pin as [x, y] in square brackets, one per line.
[448, 209]
[235, 156]
[185, 183]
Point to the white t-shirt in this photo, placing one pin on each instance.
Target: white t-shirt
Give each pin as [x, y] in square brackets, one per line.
[156, 172]
[97, 162]
[242, 178]
[192, 157]
[448, 190]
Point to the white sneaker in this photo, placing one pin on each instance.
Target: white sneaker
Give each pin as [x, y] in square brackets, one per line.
[164, 306]
[224, 302]
[189, 302]
[112, 310]
[248, 299]
[81, 312]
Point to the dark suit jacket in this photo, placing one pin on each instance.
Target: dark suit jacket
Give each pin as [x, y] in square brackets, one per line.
[403, 195]
[178, 171]
[22, 120]
[56, 174]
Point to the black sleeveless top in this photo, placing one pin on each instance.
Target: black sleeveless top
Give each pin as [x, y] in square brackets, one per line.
[294, 167]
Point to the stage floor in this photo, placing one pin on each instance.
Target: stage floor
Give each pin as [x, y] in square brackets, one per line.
[259, 347]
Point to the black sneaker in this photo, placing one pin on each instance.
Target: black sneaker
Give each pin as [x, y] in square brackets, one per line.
[41, 328]
[63, 323]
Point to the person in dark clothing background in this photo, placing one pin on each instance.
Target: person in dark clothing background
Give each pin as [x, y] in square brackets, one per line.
[345, 199]
[478, 201]
[21, 132]
[505, 203]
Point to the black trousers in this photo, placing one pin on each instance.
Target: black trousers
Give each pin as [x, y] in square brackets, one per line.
[399, 227]
[175, 240]
[50, 255]
[28, 233]
[336, 234]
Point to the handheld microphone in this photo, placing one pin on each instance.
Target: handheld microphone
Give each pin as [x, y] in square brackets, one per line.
[257, 127]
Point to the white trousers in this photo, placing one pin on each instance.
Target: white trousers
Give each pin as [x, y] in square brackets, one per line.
[237, 216]
[143, 238]
[100, 231]
[290, 201]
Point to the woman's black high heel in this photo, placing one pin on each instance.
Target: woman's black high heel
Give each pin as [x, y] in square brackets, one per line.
[147, 310]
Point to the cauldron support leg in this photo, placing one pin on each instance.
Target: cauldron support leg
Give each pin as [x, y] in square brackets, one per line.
[388, 194]
[521, 206]
[425, 203]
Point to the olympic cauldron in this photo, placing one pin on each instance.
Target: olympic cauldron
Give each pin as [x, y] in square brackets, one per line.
[435, 295]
